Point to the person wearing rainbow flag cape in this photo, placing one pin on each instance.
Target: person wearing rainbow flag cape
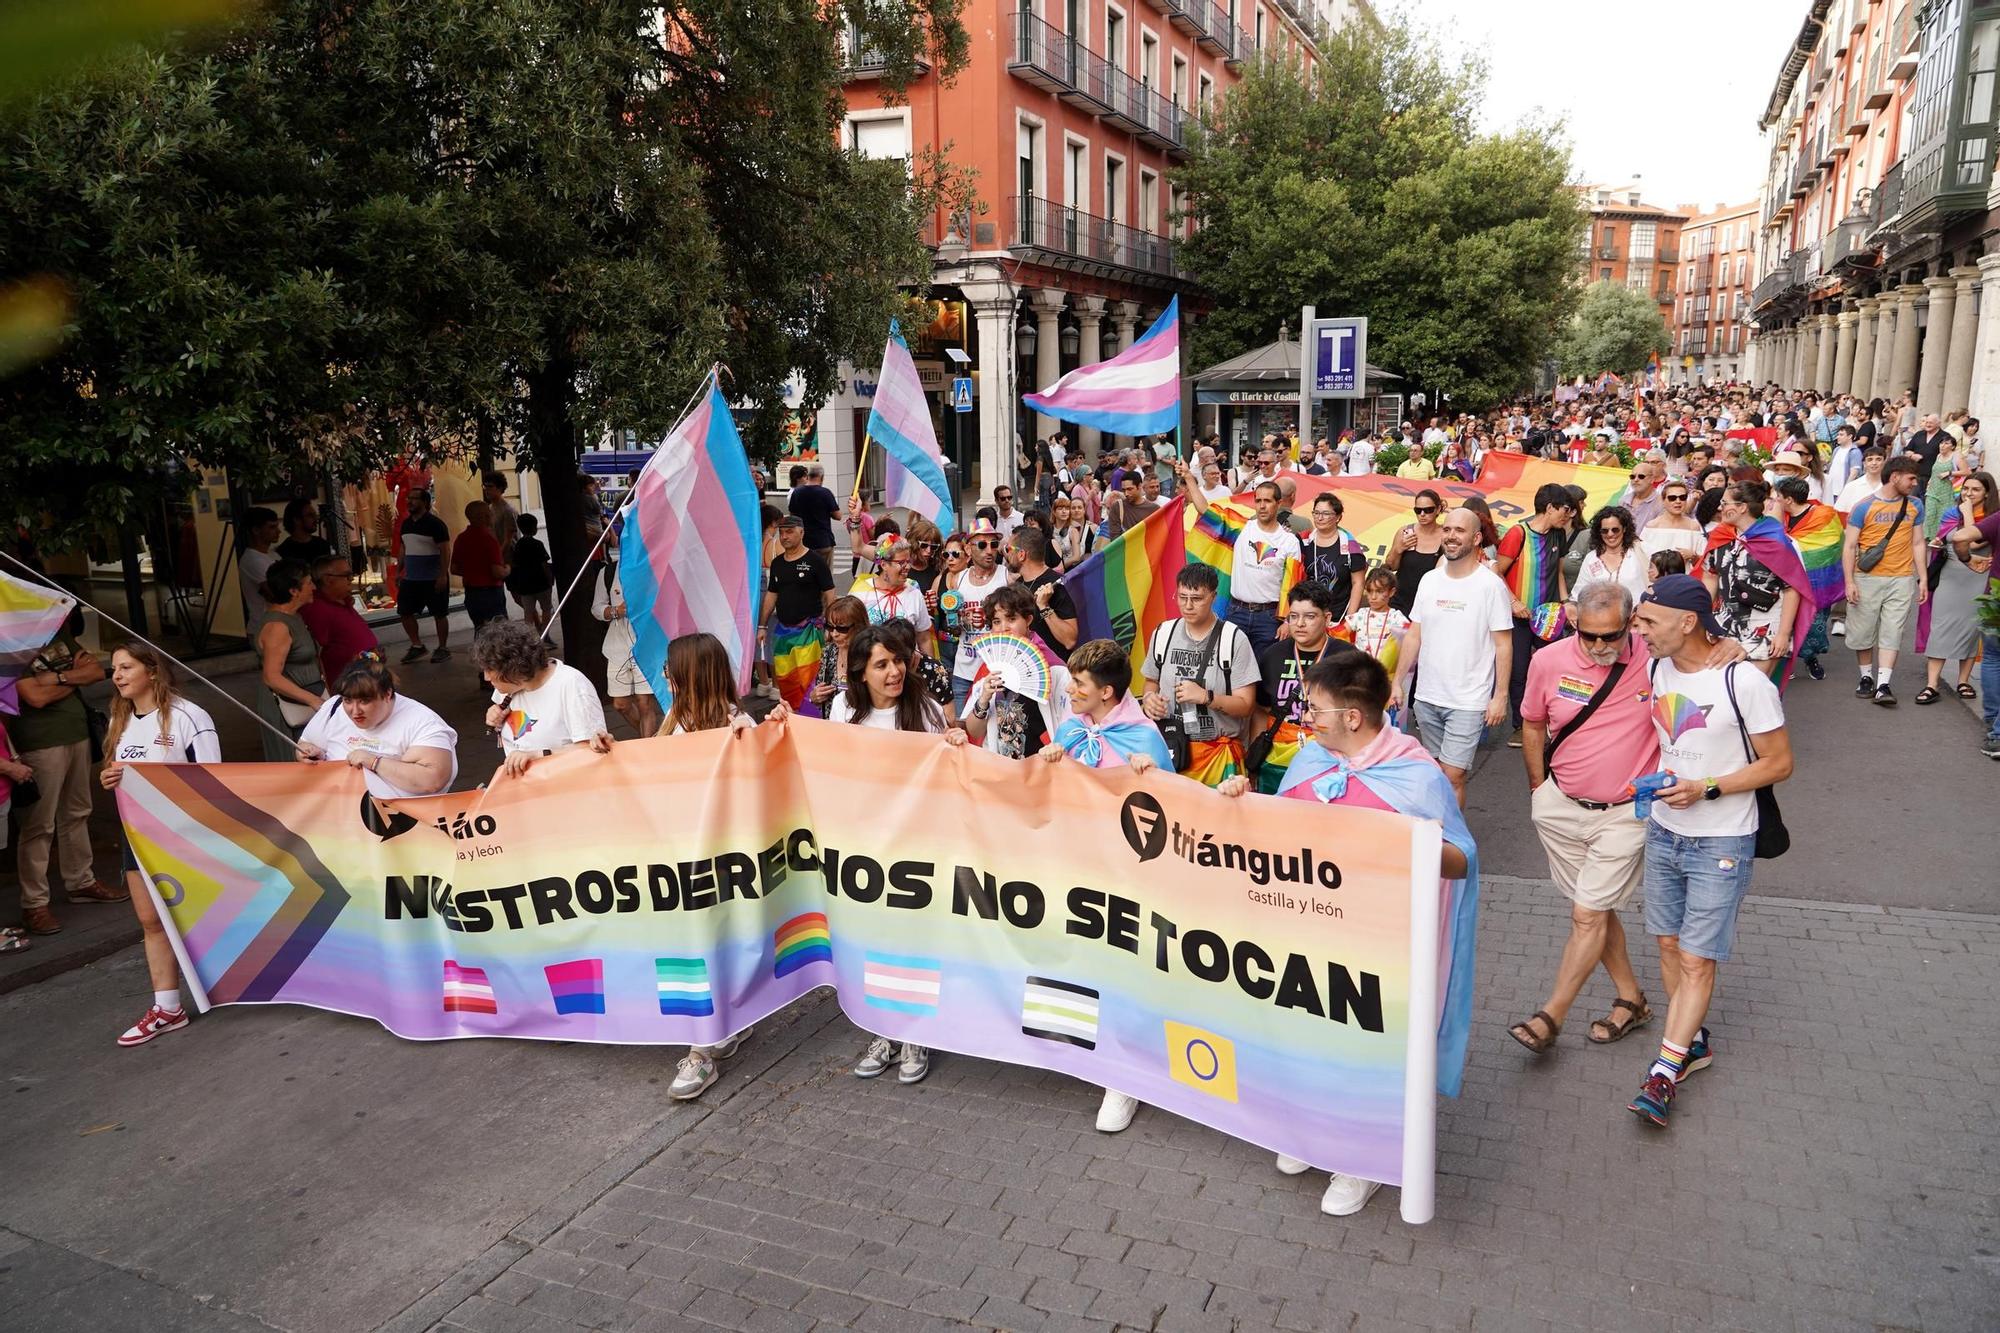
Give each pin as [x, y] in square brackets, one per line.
[797, 593]
[1353, 759]
[1200, 670]
[1816, 530]
[1529, 560]
[1281, 700]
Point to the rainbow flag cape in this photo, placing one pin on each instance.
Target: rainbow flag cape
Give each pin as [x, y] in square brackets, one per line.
[795, 656]
[1818, 533]
[1126, 587]
[1211, 541]
[1137, 392]
[1520, 576]
[30, 615]
[900, 425]
[689, 549]
[1768, 541]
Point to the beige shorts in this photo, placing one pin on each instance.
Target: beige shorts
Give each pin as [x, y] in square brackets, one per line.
[1596, 857]
[1883, 613]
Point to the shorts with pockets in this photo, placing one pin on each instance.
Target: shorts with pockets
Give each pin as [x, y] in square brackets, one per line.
[1452, 735]
[417, 597]
[1596, 857]
[1695, 886]
[1879, 618]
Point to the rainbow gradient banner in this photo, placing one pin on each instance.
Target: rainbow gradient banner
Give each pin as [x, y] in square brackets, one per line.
[1250, 964]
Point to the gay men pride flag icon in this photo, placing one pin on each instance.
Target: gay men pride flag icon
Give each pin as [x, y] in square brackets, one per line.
[578, 986]
[684, 988]
[802, 940]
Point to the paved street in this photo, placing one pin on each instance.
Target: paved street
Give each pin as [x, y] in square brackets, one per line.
[1835, 1169]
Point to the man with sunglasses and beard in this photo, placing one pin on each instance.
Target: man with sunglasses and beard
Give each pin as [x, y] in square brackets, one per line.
[983, 576]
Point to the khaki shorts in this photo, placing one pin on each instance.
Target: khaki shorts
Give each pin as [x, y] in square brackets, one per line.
[1596, 857]
[1883, 613]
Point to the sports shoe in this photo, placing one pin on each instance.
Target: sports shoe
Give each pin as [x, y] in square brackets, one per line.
[1840, 628]
[441, 655]
[723, 1050]
[417, 653]
[1347, 1195]
[97, 891]
[1865, 689]
[693, 1076]
[1115, 1113]
[1885, 696]
[1293, 1166]
[1700, 1055]
[1992, 747]
[915, 1064]
[1655, 1099]
[1514, 741]
[1814, 669]
[881, 1053]
[156, 1021]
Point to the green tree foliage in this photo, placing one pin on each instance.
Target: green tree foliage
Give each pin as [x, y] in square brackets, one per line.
[1365, 191]
[1615, 328]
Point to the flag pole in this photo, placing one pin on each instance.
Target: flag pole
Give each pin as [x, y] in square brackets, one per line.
[854, 497]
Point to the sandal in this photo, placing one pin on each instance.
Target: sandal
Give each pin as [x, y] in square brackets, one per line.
[1637, 1016]
[1967, 692]
[13, 939]
[1532, 1039]
[1927, 695]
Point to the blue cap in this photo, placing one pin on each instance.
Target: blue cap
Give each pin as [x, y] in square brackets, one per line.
[1683, 592]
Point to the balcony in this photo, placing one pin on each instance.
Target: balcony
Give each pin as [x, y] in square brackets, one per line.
[1607, 252]
[1190, 16]
[1669, 255]
[1770, 289]
[1069, 238]
[1905, 43]
[1217, 32]
[1802, 269]
[1948, 167]
[859, 60]
[1848, 244]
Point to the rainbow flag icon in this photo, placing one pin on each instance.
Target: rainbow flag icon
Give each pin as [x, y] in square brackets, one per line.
[684, 987]
[1060, 1011]
[578, 985]
[801, 941]
[467, 991]
[902, 983]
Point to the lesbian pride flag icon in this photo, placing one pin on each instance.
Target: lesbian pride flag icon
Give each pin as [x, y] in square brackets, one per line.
[467, 991]
[578, 986]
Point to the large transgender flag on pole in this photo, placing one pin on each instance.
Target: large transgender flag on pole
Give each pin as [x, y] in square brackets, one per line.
[900, 423]
[690, 550]
[1137, 392]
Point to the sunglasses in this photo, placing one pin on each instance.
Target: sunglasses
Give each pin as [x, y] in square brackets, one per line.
[1677, 497]
[955, 553]
[1003, 495]
[1611, 530]
[926, 546]
[984, 546]
[843, 628]
[1426, 509]
[1613, 637]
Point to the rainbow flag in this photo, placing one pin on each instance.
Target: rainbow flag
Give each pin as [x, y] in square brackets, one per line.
[1126, 587]
[1818, 533]
[1137, 392]
[801, 941]
[690, 550]
[900, 425]
[30, 615]
[795, 655]
[1212, 541]
[1520, 576]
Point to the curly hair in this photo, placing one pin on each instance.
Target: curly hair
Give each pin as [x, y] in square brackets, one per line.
[1624, 518]
[511, 650]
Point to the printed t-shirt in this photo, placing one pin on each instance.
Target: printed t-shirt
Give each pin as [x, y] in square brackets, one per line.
[562, 711]
[1281, 676]
[799, 585]
[1259, 571]
[1752, 597]
[473, 557]
[1618, 743]
[1173, 657]
[1061, 605]
[424, 540]
[187, 737]
[1334, 567]
[966, 664]
[1873, 517]
[409, 724]
[1456, 618]
[906, 603]
[1699, 739]
[1537, 558]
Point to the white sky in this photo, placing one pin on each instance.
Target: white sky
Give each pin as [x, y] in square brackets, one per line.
[1667, 93]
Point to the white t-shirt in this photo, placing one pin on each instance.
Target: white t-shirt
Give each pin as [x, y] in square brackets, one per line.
[1854, 492]
[1360, 458]
[1220, 493]
[1259, 570]
[966, 665]
[906, 603]
[563, 711]
[408, 725]
[1699, 739]
[1009, 523]
[188, 737]
[1456, 619]
[882, 719]
[619, 640]
[1690, 542]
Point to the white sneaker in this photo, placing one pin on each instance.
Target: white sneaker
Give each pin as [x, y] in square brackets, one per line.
[915, 1064]
[881, 1053]
[727, 1048]
[693, 1077]
[1293, 1166]
[1347, 1195]
[1840, 628]
[1116, 1112]
[156, 1021]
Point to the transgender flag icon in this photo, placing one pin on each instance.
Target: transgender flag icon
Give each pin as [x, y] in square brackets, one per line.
[578, 986]
[467, 991]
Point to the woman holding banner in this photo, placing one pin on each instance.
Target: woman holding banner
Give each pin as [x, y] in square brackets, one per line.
[402, 747]
[540, 705]
[152, 724]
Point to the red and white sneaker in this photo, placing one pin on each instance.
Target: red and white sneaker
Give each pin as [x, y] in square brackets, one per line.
[156, 1021]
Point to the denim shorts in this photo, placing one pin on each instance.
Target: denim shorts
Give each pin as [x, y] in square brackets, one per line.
[1451, 734]
[1694, 887]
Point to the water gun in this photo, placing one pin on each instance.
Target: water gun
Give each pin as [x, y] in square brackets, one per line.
[1645, 788]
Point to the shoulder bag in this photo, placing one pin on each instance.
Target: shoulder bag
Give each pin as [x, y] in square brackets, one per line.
[1868, 559]
[1773, 838]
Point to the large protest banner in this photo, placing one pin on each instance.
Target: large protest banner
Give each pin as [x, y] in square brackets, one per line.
[1249, 964]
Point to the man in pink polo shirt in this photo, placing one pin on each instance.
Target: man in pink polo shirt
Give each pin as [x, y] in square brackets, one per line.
[1587, 733]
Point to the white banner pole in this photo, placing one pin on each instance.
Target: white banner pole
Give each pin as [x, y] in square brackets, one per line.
[1420, 1056]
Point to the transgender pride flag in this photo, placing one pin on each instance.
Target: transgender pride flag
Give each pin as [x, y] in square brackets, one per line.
[1137, 392]
[690, 551]
[912, 468]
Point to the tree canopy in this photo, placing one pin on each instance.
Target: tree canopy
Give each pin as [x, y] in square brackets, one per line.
[1615, 328]
[1363, 189]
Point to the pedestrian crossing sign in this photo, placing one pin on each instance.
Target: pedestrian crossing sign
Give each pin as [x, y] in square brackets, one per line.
[961, 394]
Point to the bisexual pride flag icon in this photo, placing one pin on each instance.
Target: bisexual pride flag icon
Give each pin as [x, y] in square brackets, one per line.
[578, 986]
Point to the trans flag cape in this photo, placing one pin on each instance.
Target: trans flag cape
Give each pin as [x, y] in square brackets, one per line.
[1767, 541]
[1126, 587]
[690, 549]
[1137, 392]
[1395, 773]
[1818, 533]
[900, 425]
[30, 615]
[1125, 731]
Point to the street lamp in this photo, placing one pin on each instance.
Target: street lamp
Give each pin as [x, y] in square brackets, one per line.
[1025, 337]
[1071, 339]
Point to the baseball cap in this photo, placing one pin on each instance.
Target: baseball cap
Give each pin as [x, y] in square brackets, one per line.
[1683, 592]
[790, 521]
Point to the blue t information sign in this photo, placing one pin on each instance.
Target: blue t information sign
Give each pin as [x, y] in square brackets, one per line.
[1339, 350]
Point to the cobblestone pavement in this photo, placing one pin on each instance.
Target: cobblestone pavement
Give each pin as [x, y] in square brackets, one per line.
[1836, 1168]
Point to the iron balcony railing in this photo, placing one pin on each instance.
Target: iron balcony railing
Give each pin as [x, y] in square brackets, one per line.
[1803, 267]
[1049, 231]
[1770, 288]
[1052, 59]
[1886, 204]
[1847, 241]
